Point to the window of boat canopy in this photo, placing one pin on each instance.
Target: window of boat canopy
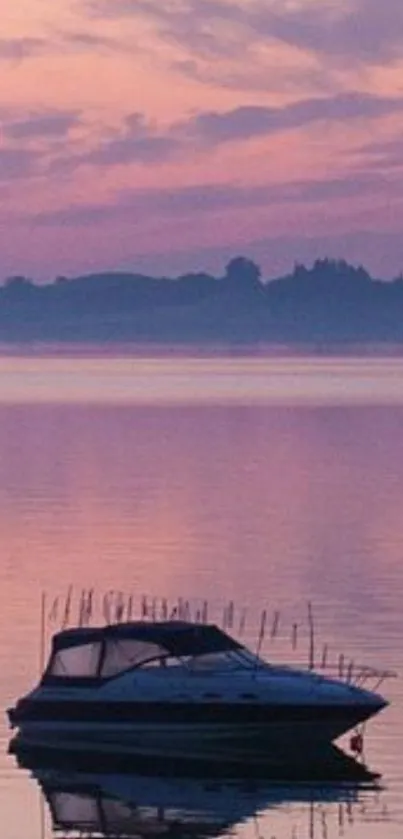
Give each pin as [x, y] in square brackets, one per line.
[75, 653]
[76, 661]
[106, 651]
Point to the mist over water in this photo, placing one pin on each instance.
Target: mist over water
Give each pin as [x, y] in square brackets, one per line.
[268, 481]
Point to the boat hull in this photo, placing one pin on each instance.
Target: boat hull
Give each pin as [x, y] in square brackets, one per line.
[238, 727]
[204, 740]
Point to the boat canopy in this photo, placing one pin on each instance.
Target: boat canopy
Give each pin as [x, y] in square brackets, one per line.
[103, 652]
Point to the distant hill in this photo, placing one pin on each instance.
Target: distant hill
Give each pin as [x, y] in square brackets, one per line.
[331, 301]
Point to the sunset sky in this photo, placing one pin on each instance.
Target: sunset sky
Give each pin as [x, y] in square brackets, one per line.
[167, 135]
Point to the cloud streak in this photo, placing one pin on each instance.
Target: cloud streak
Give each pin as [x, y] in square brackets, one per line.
[357, 31]
[42, 139]
[386, 154]
[75, 41]
[139, 142]
[133, 206]
[48, 123]
[17, 163]
[82, 40]
[17, 49]
[252, 121]
[32, 139]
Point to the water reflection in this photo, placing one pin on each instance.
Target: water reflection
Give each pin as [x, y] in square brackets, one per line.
[127, 797]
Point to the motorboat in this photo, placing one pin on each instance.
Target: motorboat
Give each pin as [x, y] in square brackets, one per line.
[183, 688]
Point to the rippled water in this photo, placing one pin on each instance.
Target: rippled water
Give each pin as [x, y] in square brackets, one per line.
[270, 482]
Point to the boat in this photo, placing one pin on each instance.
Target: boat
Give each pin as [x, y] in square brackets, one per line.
[181, 688]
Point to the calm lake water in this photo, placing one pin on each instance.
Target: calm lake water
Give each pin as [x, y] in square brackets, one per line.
[271, 482]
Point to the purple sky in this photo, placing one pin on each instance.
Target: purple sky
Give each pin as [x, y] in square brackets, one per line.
[168, 136]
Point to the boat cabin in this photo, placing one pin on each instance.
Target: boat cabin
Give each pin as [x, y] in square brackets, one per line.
[94, 654]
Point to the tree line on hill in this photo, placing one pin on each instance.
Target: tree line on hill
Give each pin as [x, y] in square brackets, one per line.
[332, 301]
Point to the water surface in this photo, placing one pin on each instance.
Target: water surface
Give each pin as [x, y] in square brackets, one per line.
[267, 481]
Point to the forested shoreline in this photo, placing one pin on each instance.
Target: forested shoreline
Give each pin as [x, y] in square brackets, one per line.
[329, 301]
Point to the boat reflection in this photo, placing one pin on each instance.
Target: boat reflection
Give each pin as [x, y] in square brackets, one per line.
[115, 799]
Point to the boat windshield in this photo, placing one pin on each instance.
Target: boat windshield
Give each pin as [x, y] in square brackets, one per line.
[227, 660]
[121, 655]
